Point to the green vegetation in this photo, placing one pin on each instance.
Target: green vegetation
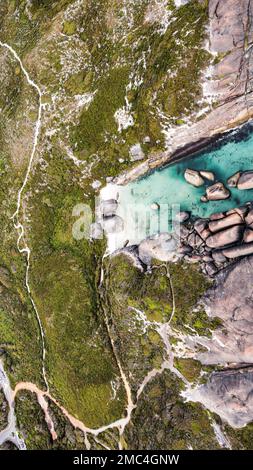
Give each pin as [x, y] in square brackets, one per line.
[98, 121]
[163, 421]
[189, 368]
[31, 422]
[189, 285]
[128, 291]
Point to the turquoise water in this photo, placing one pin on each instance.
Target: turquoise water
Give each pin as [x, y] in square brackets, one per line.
[168, 186]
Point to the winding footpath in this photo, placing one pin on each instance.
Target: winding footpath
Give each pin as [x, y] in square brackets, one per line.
[15, 217]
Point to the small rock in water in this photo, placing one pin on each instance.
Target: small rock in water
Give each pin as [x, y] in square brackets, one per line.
[193, 177]
[245, 180]
[208, 175]
[155, 206]
[182, 217]
[233, 180]
[217, 192]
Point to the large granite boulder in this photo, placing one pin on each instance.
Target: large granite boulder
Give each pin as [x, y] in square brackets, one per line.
[193, 177]
[113, 224]
[217, 192]
[182, 217]
[208, 175]
[163, 247]
[225, 237]
[248, 235]
[230, 220]
[240, 250]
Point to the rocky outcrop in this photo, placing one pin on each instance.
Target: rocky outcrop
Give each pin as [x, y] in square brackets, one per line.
[231, 300]
[217, 241]
[229, 394]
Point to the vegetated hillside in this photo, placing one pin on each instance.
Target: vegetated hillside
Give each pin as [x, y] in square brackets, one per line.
[114, 76]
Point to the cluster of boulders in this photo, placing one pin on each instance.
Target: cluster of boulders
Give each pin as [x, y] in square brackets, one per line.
[217, 191]
[215, 241]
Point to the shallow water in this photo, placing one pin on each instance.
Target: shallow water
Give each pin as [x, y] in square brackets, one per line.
[167, 186]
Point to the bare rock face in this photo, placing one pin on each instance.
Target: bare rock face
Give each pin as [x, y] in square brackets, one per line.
[193, 177]
[96, 231]
[233, 180]
[225, 237]
[217, 192]
[231, 300]
[246, 180]
[230, 394]
[217, 216]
